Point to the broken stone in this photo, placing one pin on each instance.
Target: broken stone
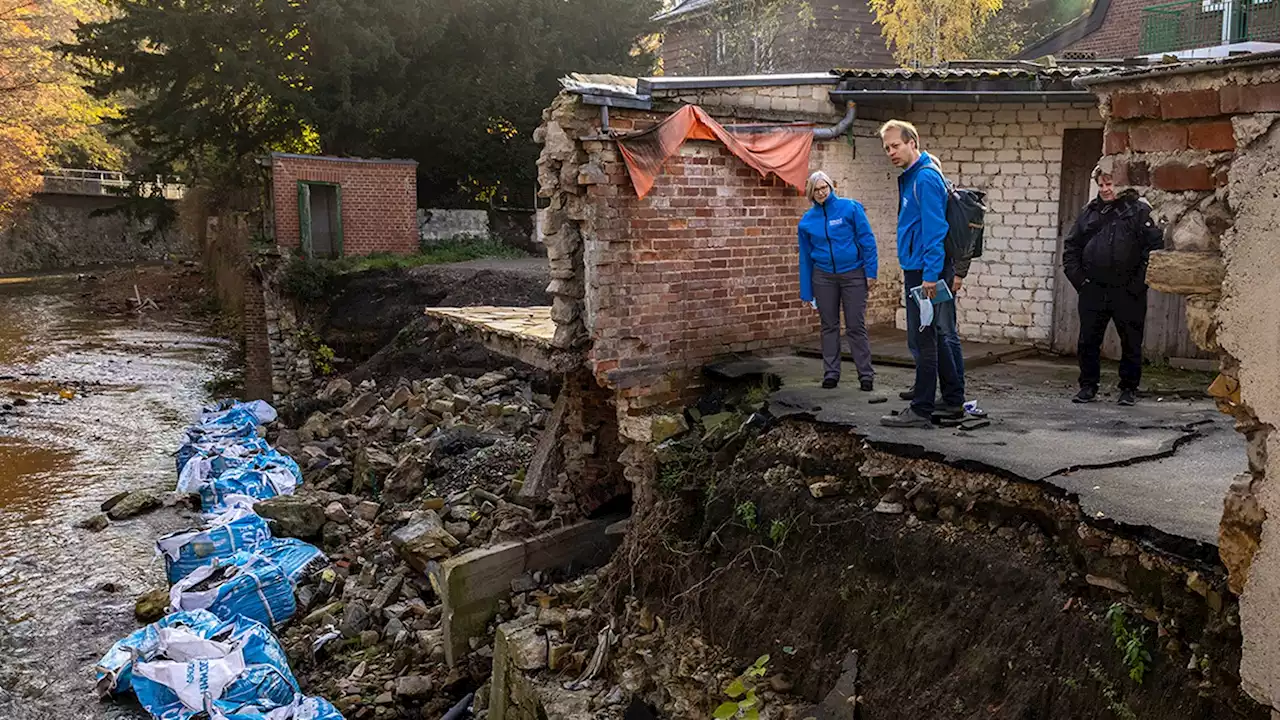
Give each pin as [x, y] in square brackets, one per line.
[368, 510]
[398, 398]
[890, 508]
[1185, 273]
[337, 389]
[133, 504]
[826, 488]
[1108, 583]
[337, 513]
[458, 529]
[527, 649]
[424, 539]
[385, 698]
[151, 606]
[663, 427]
[93, 523]
[355, 619]
[113, 500]
[388, 590]
[360, 405]
[559, 656]
[413, 686]
[292, 516]
[405, 481]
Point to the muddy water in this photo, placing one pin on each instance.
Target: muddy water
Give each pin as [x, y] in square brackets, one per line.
[89, 406]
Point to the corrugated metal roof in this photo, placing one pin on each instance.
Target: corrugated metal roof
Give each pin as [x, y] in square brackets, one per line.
[980, 72]
[683, 7]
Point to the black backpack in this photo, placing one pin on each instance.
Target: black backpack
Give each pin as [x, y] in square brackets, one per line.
[966, 218]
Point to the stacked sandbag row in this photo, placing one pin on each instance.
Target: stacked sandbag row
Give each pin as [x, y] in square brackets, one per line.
[231, 584]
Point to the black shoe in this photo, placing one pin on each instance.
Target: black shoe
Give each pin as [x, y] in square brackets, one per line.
[1127, 397]
[908, 394]
[828, 383]
[907, 419]
[1087, 394]
[866, 385]
[949, 412]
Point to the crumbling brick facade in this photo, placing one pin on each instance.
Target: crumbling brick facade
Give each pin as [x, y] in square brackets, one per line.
[1204, 148]
[379, 201]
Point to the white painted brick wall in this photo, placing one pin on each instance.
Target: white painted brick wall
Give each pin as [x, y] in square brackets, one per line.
[1014, 152]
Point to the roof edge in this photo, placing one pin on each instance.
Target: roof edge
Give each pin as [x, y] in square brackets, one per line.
[1181, 68]
[334, 158]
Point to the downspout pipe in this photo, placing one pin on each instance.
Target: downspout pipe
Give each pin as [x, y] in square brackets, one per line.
[826, 133]
[840, 128]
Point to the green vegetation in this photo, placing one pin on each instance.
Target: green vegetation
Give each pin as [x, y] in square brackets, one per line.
[744, 687]
[1132, 643]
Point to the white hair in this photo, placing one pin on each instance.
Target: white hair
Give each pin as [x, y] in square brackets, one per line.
[817, 177]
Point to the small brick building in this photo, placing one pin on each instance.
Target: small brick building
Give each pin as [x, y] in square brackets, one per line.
[331, 207]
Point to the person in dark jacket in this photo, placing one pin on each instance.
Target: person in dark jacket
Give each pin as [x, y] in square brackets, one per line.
[1105, 258]
[838, 266]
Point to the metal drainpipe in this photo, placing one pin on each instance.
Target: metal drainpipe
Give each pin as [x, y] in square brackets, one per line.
[826, 133]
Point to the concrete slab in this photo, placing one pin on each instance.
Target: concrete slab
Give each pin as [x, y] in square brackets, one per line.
[521, 333]
[889, 347]
[1165, 463]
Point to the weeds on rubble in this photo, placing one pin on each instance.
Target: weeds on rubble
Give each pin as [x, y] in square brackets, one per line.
[1118, 707]
[744, 687]
[1132, 643]
[746, 512]
[778, 532]
[320, 355]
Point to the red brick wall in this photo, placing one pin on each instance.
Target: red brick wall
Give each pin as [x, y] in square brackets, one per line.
[703, 266]
[379, 201]
[257, 345]
[1120, 34]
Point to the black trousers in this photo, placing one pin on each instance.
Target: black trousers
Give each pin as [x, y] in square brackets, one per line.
[1127, 308]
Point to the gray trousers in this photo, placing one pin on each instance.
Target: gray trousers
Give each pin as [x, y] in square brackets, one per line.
[848, 290]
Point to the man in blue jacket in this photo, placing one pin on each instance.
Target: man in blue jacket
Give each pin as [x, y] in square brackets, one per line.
[922, 229]
[838, 265]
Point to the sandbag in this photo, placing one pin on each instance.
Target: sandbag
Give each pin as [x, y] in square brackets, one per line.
[258, 484]
[228, 533]
[244, 584]
[245, 428]
[260, 409]
[115, 670]
[296, 558]
[202, 470]
[302, 708]
[198, 461]
[240, 664]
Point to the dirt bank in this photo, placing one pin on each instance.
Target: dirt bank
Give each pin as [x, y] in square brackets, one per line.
[966, 596]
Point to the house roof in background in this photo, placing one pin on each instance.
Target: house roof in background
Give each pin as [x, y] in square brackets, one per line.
[987, 70]
[1069, 34]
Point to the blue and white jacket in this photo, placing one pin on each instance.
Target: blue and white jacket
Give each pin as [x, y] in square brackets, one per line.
[922, 218]
[836, 238]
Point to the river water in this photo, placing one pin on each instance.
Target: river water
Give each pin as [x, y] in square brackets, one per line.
[89, 406]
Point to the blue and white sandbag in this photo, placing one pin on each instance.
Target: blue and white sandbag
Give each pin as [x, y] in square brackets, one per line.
[241, 664]
[210, 434]
[228, 533]
[115, 669]
[296, 558]
[258, 484]
[260, 409]
[197, 461]
[244, 584]
[302, 708]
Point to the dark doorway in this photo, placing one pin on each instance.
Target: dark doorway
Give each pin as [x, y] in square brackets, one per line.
[320, 219]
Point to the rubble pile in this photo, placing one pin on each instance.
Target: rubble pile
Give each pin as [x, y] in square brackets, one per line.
[403, 477]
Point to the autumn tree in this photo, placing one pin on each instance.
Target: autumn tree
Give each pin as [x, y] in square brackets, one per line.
[45, 116]
[928, 32]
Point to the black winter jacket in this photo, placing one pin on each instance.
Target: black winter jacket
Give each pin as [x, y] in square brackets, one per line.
[1110, 242]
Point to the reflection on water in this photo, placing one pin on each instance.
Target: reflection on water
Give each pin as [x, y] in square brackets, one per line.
[88, 407]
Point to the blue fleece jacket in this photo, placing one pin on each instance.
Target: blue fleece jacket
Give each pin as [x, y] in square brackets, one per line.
[835, 237]
[922, 218]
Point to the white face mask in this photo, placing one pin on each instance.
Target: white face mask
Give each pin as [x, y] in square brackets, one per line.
[926, 307]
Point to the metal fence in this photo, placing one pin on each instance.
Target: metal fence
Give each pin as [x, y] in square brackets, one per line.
[1189, 24]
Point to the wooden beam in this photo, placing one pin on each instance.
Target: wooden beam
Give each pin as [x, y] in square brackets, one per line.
[548, 456]
[471, 584]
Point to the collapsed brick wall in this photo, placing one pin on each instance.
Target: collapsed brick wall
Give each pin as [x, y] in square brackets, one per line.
[379, 201]
[1204, 148]
[1013, 151]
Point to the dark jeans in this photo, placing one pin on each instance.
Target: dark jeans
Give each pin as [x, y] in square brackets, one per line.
[947, 326]
[848, 291]
[934, 359]
[1127, 308]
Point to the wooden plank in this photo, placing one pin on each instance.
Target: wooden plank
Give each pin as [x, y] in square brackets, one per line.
[548, 457]
[1080, 152]
[471, 584]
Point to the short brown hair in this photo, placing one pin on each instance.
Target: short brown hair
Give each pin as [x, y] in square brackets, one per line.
[907, 130]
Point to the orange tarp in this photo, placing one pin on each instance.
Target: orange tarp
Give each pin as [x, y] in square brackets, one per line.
[783, 153]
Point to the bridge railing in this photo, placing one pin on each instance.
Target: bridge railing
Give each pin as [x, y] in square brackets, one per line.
[79, 181]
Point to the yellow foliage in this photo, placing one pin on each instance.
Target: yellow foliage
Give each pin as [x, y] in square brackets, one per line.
[43, 106]
[928, 32]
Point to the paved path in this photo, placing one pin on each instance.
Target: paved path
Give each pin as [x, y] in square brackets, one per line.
[1164, 463]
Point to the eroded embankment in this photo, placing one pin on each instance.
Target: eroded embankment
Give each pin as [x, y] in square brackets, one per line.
[966, 594]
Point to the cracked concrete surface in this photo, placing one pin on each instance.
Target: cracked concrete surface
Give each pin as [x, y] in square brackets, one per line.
[1165, 463]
